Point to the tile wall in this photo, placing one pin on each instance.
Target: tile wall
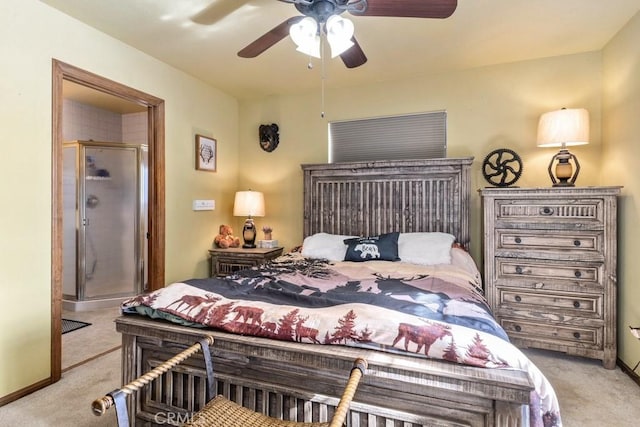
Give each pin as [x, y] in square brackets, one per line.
[86, 122]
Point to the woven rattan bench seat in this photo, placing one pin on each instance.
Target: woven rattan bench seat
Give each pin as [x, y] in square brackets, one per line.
[221, 412]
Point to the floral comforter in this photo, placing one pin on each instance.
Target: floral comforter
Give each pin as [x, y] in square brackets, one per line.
[429, 311]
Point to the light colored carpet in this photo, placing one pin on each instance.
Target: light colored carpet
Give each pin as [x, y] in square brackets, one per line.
[98, 338]
[68, 402]
[589, 395]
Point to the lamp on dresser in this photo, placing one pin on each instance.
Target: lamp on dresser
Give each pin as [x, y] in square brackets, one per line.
[563, 128]
[250, 204]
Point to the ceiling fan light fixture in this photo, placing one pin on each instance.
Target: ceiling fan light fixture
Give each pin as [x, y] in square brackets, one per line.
[339, 33]
[305, 35]
[311, 48]
[320, 11]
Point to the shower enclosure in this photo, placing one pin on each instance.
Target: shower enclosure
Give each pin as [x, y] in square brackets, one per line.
[105, 223]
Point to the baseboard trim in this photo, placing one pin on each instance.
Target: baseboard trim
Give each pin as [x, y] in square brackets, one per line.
[12, 397]
[630, 372]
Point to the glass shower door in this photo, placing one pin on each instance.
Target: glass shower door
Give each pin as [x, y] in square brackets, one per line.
[109, 220]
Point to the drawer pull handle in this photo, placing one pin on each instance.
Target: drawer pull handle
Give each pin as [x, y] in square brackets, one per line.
[546, 211]
[518, 240]
[576, 304]
[517, 328]
[519, 270]
[576, 335]
[576, 243]
[518, 298]
[578, 274]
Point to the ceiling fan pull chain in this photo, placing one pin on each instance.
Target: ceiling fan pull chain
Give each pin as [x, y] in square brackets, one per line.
[322, 77]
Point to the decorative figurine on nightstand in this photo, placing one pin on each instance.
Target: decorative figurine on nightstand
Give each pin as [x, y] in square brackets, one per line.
[267, 230]
[269, 138]
[268, 242]
[225, 238]
[502, 167]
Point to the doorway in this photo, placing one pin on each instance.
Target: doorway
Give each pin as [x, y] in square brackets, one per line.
[62, 73]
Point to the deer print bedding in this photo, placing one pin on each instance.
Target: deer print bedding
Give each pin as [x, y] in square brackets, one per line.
[435, 311]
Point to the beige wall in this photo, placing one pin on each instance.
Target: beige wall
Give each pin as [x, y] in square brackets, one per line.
[25, 166]
[487, 108]
[621, 131]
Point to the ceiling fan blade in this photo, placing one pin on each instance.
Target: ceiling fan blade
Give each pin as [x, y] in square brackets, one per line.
[409, 8]
[216, 11]
[354, 56]
[268, 39]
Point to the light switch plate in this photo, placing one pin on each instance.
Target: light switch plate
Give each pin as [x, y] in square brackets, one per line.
[204, 205]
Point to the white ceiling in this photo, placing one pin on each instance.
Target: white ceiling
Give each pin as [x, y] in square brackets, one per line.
[479, 33]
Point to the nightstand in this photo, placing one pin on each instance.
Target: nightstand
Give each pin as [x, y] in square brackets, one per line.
[228, 261]
[550, 267]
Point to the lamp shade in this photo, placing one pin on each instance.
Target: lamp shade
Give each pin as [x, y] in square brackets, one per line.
[339, 33]
[248, 203]
[305, 35]
[563, 127]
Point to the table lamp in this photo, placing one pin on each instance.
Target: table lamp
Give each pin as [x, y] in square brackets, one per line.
[563, 128]
[249, 203]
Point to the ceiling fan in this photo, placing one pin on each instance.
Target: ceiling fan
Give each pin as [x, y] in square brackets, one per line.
[322, 18]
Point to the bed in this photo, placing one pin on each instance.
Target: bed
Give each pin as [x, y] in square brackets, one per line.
[286, 332]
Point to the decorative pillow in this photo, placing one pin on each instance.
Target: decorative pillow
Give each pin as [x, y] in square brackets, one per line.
[325, 246]
[383, 247]
[425, 248]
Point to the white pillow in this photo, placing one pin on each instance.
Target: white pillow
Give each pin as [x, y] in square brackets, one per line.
[326, 246]
[425, 248]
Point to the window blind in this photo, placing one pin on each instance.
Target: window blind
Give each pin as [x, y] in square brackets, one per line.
[414, 136]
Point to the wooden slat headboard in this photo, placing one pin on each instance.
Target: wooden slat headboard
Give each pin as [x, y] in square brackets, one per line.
[369, 198]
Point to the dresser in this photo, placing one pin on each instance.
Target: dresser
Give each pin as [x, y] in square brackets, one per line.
[550, 267]
[230, 260]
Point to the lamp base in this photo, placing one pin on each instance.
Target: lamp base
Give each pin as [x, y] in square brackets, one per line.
[249, 234]
[563, 184]
[565, 175]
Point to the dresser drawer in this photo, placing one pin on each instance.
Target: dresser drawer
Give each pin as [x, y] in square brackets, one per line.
[559, 334]
[559, 305]
[551, 213]
[560, 244]
[226, 266]
[549, 274]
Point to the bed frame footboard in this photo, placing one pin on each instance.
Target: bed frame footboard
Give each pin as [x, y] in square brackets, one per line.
[303, 382]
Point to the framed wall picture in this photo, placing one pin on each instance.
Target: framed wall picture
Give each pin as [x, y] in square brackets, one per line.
[206, 155]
